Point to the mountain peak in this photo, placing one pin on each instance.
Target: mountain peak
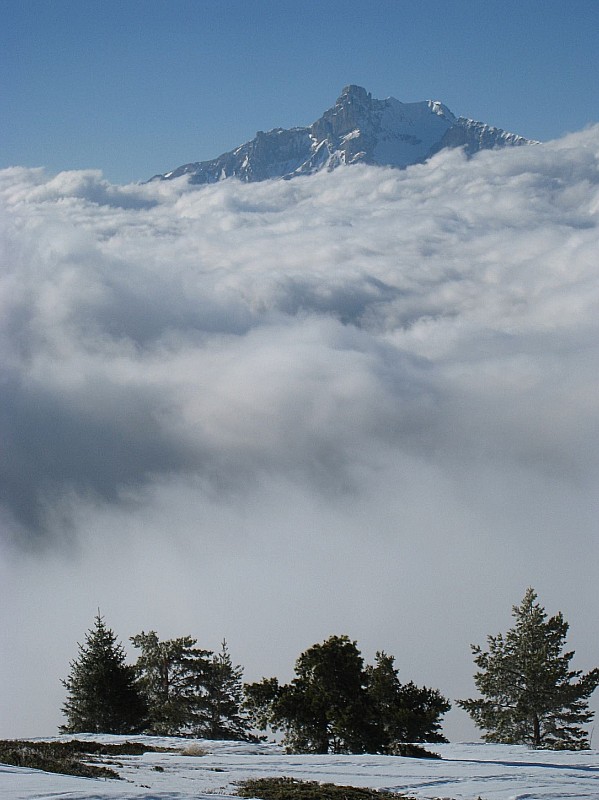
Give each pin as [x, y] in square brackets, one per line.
[353, 92]
[357, 129]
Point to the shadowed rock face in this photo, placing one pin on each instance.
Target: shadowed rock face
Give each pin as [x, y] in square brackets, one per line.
[357, 129]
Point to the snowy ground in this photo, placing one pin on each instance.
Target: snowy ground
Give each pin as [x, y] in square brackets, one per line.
[466, 772]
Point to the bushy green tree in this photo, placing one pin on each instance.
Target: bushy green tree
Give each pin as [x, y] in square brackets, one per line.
[529, 693]
[172, 676]
[336, 704]
[402, 713]
[225, 718]
[103, 696]
[323, 709]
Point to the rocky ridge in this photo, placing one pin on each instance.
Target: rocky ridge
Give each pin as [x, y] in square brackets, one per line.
[357, 129]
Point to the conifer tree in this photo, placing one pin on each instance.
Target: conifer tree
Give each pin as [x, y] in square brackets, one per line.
[330, 688]
[323, 710]
[529, 693]
[102, 693]
[172, 676]
[224, 699]
[336, 704]
[402, 712]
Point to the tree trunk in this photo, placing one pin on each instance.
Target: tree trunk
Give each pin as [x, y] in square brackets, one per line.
[536, 731]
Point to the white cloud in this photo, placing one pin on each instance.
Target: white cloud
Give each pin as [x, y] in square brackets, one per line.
[234, 405]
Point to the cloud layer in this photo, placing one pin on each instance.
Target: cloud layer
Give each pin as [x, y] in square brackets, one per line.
[361, 402]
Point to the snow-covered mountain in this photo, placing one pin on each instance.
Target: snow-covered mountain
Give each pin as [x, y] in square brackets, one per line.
[357, 129]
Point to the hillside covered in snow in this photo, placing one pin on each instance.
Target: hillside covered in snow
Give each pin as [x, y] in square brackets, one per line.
[464, 772]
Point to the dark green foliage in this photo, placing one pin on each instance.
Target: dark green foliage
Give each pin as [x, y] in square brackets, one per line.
[323, 709]
[336, 705]
[224, 699]
[172, 676]
[261, 702]
[190, 691]
[408, 750]
[102, 693]
[402, 713]
[529, 694]
[327, 697]
[292, 789]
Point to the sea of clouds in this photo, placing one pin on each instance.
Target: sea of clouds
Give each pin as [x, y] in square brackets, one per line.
[361, 402]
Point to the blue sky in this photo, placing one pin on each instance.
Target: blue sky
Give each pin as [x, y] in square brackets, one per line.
[138, 87]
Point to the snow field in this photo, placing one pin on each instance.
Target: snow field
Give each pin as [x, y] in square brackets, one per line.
[465, 772]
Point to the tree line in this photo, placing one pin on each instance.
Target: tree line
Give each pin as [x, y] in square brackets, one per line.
[173, 689]
[336, 703]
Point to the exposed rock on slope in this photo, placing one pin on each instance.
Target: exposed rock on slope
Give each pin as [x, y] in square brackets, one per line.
[357, 129]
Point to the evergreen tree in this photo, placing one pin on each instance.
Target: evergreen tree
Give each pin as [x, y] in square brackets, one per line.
[335, 704]
[323, 709]
[102, 693]
[173, 676]
[402, 713]
[224, 699]
[329, 690]
[529, 693]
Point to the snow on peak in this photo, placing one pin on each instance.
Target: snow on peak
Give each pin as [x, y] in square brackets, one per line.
[357, 129]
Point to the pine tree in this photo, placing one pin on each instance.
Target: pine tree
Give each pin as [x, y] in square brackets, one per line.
[402, 713]
[224, 699]
[330, 690]
[173, 676]
[323, 710]
[102, 693]
[336, 704]
[529, 693]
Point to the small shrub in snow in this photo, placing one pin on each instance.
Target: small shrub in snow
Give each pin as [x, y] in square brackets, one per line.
[291, 789]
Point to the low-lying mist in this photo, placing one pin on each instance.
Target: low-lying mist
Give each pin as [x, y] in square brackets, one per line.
[361, 402]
